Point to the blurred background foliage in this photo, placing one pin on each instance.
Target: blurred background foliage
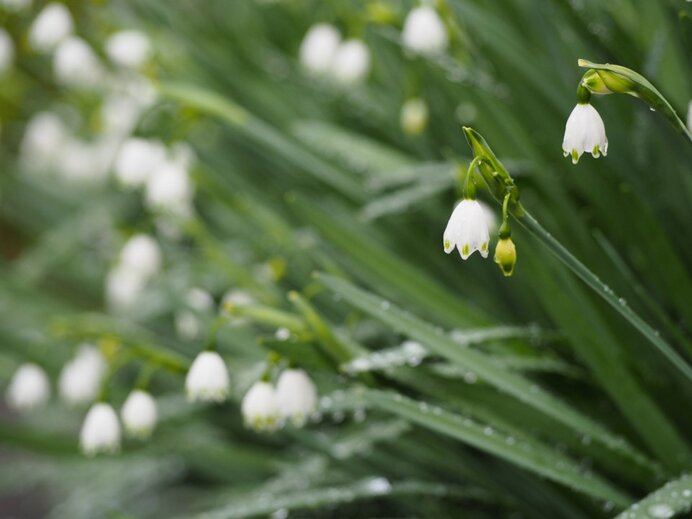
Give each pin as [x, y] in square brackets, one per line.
[295, 175]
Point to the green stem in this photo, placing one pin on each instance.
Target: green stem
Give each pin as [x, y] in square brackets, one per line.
[467, 180]
[605, 292]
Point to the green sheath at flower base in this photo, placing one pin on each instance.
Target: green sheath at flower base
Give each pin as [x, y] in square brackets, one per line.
[617, 79]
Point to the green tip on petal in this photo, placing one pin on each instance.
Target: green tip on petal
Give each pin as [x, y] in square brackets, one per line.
[575, 156]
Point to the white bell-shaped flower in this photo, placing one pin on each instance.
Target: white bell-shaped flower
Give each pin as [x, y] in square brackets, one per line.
[51, 26]
[351, 62]
[584, 132]
[137, 160]
[318, 48]
[296, 396]
[29, 388]
[80, 379]
[6, 51]
[43, 141]
[169, 189]
[424, 33]
[75, 64]
[100, 430]
[128, 48]
[414, 116]
[467, 230]
[207, 379]
[124, 287]
[260, 407]
[141, 253]
[139, 414]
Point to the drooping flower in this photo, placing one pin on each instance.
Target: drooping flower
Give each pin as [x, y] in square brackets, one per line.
[584, 132]
[128, 48]
[80, 379]
[75, 64]
[207, 379]
[296, 396]
[142, 254]
[6, 51]
[43, 141]
[318, 48]
[100, 430]
[260, 407]
[169, 189]
[137, 160]
[51, 26]
[467, 230]
[351, 62]
[139, 414]
[124, 286]
[424, 33]
[29, 388]
[414, 116]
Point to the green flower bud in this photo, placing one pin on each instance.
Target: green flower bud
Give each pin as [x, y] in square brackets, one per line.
[593, 82]
[506, 256]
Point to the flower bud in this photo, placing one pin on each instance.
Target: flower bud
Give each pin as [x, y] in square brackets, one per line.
[506, 256]
[414, 116]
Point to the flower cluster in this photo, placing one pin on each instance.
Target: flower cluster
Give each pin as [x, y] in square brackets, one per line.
[324, 54]
[294, 399]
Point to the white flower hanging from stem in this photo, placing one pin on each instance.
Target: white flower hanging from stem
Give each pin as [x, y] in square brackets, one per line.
[584, 130]
[467, 229]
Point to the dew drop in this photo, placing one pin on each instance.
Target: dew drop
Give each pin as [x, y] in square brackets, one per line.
[661, 511]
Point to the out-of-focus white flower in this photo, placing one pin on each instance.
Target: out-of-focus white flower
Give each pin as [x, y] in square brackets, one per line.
[139, 414]
[260, 408]
[182, 154]
[6, 51]
[76, 65]
[351, 62]
[467, 230]
[29, 388]
[236, 297]
[207, 379]
[296, 396]
[100, 430]
[51, 26]
[81, 161]
[318, 48]
[137, 160]
[119, 114]
[424, 33]
[80, 379]
[141, 253]
[124, 287]
[584, 132]
[14, 5]
[187, 321]
[169, 189]
[414, 116]
[44, 139]
[128, 48]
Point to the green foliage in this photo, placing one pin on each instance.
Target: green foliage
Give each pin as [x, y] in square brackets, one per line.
[562, 391]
